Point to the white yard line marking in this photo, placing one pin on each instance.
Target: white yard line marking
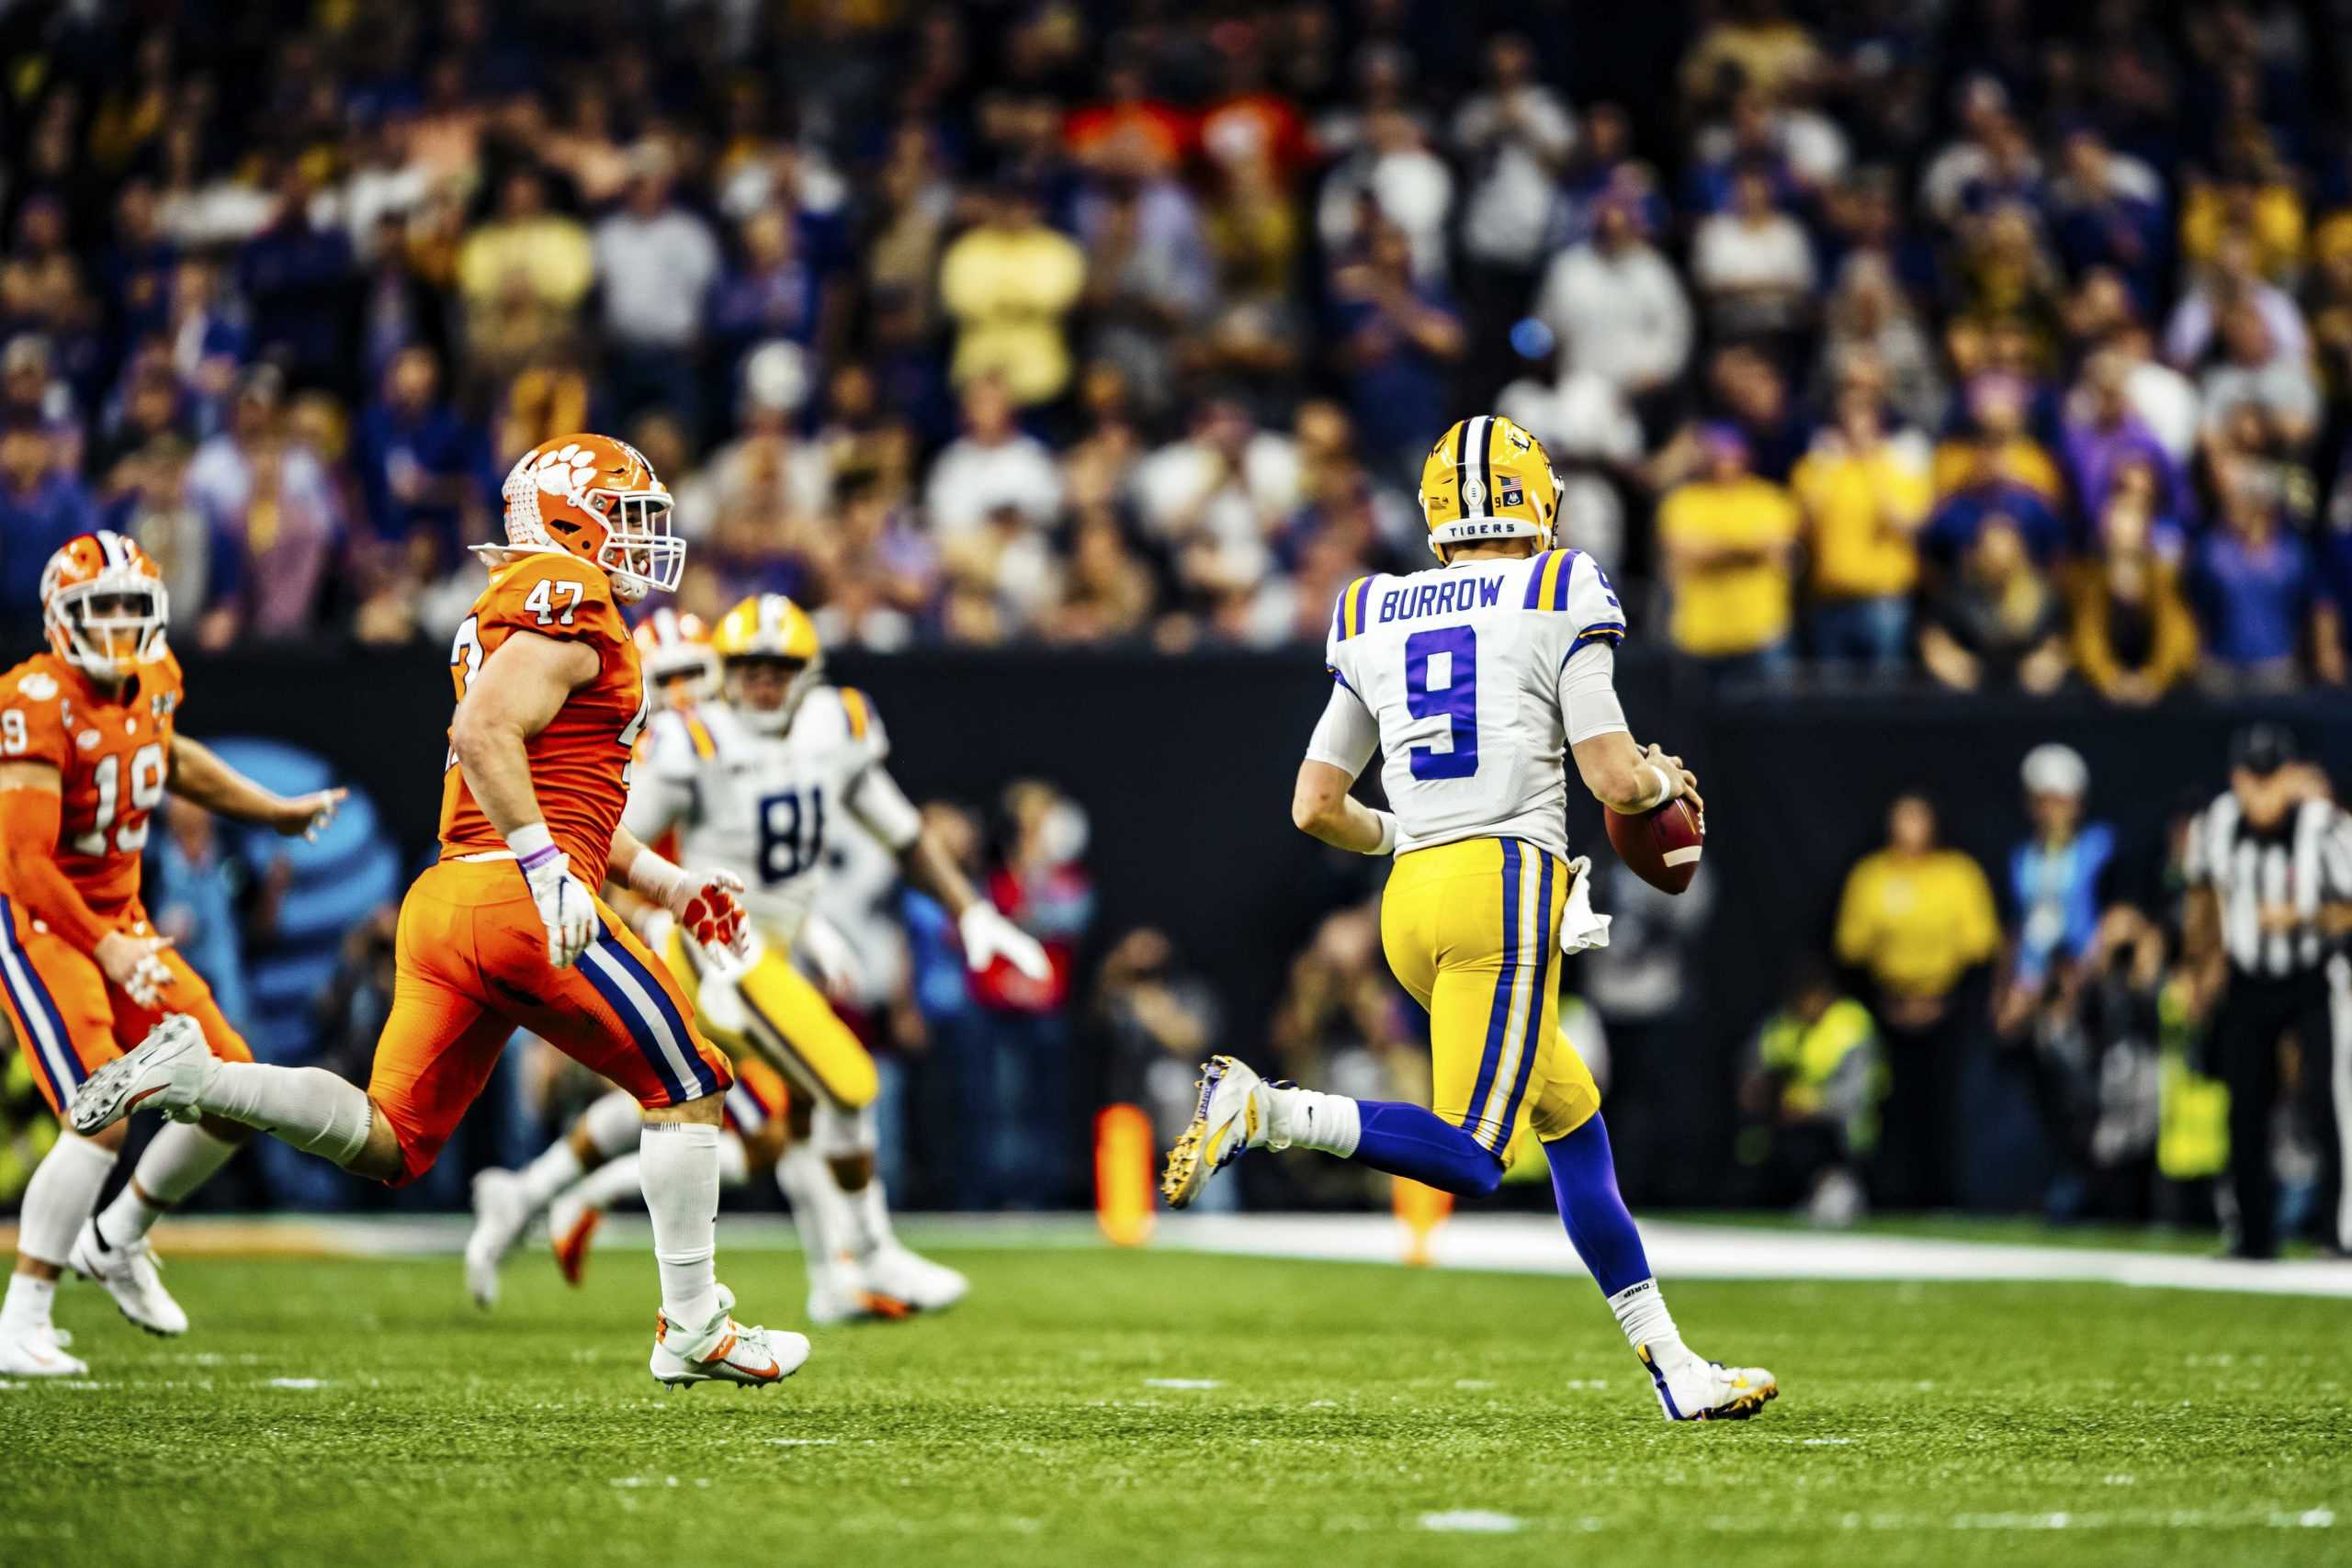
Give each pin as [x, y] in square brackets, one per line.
[1514, 1244]
[1183, 1383]
[1472, 1521]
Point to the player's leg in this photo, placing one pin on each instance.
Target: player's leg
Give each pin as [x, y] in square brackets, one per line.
[618, 1012]
[750, 1137]
[791, 1023]
[438, 1046]
[56, 1001]
[1470, 929]
[506, 1201]
[1564, 1110]
[112, 1248]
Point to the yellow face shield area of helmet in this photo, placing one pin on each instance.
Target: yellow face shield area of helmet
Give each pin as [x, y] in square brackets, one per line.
[1487, 478]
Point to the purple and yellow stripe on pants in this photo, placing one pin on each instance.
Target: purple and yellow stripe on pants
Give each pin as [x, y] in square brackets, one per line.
[1472, 929]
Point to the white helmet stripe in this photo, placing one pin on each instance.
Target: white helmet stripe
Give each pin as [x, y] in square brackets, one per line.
[116, 552]
[1482, 470]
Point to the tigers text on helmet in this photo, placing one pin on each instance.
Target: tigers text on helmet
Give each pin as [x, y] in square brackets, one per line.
[768, 629]
[1487, 478]
[104, 605]
[598, 499]
[674, 648]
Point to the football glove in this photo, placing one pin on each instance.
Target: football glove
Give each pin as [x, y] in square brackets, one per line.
[830, 956]
[988, 936]
[567, 906]
[709, 904]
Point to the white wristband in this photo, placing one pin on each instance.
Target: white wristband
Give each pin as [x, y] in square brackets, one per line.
[655, 877]
[1664, 792]
[1388, 845]
[530, 841]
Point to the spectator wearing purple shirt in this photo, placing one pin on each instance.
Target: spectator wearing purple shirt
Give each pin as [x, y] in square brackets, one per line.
[2104, 435]
[2255, 594]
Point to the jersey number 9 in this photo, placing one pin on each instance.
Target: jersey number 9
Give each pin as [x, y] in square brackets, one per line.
[1441, 680]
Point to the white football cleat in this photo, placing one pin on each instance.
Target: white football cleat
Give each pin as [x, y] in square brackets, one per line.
[37, 1353]
[132, 1275]
[1709, 1391]
[164, 1072]
[1231, 1116]
[500, 1214]
[723, 1350]
[838, 1294]
[571, 1226]
[914, 1282]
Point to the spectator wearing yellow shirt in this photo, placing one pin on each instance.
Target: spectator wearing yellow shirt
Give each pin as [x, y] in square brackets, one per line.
[1010, 282]
[523, 276]
[1864, 495]
[1913, 921]
[1996, 432]
[1728, 538]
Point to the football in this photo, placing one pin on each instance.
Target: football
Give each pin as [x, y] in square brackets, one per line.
[1660, 846]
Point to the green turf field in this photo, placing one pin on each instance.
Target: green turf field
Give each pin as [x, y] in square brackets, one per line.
[1304, 1414]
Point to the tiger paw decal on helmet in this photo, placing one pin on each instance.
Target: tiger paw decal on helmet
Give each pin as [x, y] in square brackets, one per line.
[598, 499]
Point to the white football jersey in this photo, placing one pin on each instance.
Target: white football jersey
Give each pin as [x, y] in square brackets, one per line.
[762, 806]
[1461, 666]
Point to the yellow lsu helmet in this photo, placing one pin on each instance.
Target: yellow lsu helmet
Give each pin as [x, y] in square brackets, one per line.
[1489, 479]
[770, 626]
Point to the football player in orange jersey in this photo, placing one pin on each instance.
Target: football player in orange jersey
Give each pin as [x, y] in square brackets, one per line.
[90, 742]
[508, 930]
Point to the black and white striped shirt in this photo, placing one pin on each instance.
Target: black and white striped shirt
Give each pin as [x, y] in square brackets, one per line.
[2303, 862]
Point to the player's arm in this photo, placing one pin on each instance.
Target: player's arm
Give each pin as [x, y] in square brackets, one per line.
[199, 775]
[519, 690]
[1320, 804]
[709, 904]
[32, 807]
[1625, 777]
[884, 810]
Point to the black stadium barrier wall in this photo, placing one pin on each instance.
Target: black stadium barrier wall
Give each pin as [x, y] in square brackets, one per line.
[1184, 768]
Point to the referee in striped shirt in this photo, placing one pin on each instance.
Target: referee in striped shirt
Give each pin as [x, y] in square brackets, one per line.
[2269, 870]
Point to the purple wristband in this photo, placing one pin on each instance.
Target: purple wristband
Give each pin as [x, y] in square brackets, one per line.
[537, 858]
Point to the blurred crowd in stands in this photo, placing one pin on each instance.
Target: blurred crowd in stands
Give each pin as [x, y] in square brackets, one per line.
[2005, 344]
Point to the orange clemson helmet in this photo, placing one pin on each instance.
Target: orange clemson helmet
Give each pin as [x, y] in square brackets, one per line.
[104, 605]
[675, 647]
[600, 499]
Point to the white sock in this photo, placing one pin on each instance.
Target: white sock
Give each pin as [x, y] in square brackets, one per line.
[554, 1169]
[610, 1183]
[181, 1158]
[816, 1202]
[28, 1303]
[1641, 1313]
[677, 1166]
[60, 1197]
[869, 1211]
[1303, 1118]
[613, 1122]
[734, 1164]
[307, 1106]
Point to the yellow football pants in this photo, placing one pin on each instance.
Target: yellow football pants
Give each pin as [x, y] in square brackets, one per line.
[774, 1011]
[1473, 931]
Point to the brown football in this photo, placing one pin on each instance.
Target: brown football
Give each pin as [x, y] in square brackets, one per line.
[1661, 846]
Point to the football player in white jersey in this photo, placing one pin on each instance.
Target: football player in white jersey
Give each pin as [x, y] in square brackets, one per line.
[1473, 678]
[758, 780]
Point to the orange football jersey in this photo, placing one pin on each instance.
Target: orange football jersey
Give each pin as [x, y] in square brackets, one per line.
[579, 761]
[112, 755]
